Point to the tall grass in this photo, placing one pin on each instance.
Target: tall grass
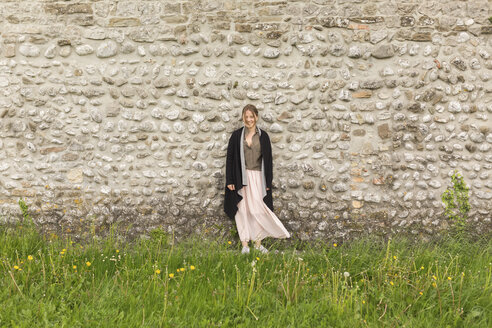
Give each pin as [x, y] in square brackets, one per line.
[54, 282]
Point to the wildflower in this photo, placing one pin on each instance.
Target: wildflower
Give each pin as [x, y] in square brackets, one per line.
[192, 267]
[16, 267]
[391, 283]
[181, 269]
[158, 271]
[177, 270]
[421, 293]
[30, 257]
[257, 258]
[449, 278]
[434, 277]
[462, 274]
[346, 274]
[422, 268]
[88, 263]
[334, 244]
[74, 267]
[117, 251]
[229, 242]
[394, 257]
[434, 285]
[363, 302]
[171, 275]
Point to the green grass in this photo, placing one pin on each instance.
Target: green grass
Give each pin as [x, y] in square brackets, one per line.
[46, 282]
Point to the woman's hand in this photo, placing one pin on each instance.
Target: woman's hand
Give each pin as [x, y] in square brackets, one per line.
[268, 188]
[231, 187]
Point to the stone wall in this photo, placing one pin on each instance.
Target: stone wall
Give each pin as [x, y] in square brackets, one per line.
[120, 111]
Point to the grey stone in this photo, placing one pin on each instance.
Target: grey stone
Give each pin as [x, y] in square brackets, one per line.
[271, 53]
[107, 49]
[459, 63]
[383, 51]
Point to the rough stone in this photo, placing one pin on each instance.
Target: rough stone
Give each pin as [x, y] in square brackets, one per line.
[107, 49]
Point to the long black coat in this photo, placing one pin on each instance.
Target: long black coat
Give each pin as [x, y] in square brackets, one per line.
[234, 171]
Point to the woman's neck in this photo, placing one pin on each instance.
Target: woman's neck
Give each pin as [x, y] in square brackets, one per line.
[252, 130]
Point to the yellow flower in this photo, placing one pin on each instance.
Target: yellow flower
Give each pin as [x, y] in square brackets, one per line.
[421, 293]
[363, 302]
[462, 274]
[422, 268]
[62, 253]
[257, 258]
[391, 283]
[394, 257]
[64, 250]
[177, 270]
[229, 242]
[158, 271]
[192, 267]
[181, 269]
[88, 263]
[117, 251]
[434, 277]
[434, 284]
[334, 244]
[16, 267]
[75, 267]
[171, 275]
[449, 278]
[30, 257]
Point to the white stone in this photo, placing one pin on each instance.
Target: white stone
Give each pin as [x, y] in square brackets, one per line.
[107, 49]
[84, 50]
[29, 50]
[4, 81]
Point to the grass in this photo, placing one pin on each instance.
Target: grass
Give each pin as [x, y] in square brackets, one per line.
[54, 282]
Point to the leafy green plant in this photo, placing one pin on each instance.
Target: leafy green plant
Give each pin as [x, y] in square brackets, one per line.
[456, 201]
[25, 212]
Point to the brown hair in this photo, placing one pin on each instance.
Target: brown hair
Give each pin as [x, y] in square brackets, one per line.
[251, 108]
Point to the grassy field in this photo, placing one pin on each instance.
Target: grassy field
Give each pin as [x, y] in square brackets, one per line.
[54, 282]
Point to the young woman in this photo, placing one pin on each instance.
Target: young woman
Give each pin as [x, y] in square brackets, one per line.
[248, 193]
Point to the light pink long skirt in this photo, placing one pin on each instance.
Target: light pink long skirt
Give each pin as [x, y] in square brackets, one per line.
[254, 219]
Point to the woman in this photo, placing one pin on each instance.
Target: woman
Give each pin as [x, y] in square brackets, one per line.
[248, 193]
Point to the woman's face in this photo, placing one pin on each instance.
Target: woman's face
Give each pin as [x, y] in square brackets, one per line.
[250, 119]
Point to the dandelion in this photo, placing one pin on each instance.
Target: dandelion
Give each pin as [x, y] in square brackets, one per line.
[462, 274]
[30, 258]
[434, 285]
[117, 251]
[391, 283]
[363, 302]
[257, 258]
[394, 257]
[346, 274]
[181, 269]
[434, 277]
[422, 268]
[421, 293]
[158, 271]
[16, 267]
[192, 267]
[449, 278]
[74, 267]
[229, 242]
[334, 244]
[88, 263]
[171, 275]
